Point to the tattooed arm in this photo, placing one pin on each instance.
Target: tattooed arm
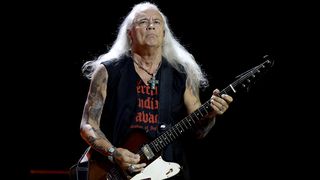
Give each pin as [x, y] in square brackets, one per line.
[90, 122]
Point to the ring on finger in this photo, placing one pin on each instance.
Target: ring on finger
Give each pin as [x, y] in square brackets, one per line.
[131, 168]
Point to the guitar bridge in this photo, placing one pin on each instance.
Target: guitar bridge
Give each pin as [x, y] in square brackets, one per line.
[147, 152]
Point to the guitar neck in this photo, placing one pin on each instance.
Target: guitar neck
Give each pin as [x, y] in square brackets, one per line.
[177, 130]
[174, 132]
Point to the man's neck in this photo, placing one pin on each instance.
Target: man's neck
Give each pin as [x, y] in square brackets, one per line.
[148, 57]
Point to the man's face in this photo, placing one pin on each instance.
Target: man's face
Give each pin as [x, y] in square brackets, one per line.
[147, 29]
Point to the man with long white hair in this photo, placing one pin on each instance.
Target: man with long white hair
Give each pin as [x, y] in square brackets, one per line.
[143, 96]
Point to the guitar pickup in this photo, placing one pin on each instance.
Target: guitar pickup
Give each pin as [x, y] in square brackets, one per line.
[147, 152]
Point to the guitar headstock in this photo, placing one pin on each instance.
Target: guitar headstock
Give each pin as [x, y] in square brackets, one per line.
[246, 79]
[267, 64]
[250, 76]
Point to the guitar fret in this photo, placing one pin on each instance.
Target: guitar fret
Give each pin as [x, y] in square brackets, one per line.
[203, 111]
[181, 125]
[188, 122]
[180, 131]
[194, 115]
[169, 135]
[184, 124]
[193, 121]
[197, 114]
[207, 107]
[160, 142]
[154, 146]
[157, 146]
[172, 133]
[163, 140]
[200, 112]
[174, 130]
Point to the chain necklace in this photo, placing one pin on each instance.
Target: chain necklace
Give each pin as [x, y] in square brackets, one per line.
[153, 80]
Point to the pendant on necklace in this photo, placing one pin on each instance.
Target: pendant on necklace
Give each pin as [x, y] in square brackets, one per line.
[153, 82]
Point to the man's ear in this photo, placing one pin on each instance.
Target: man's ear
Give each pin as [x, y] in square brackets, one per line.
[129, 35]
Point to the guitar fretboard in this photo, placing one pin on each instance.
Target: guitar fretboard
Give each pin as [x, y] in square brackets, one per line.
[177, 130]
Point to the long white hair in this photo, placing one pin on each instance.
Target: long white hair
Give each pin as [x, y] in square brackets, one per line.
[173, 51]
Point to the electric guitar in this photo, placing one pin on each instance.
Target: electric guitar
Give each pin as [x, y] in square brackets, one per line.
[149, 153]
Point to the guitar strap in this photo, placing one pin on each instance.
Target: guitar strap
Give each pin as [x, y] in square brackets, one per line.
[166, 78]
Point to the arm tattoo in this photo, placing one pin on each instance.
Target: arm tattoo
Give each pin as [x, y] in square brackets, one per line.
[93, 141]
[99, 133]
[96, 142]
[96, 97]
[96, 105]
[93, 111]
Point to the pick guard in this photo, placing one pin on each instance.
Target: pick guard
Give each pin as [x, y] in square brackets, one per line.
[157, 170]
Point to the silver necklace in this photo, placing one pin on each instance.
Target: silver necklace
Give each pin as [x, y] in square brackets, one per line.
[153, 82]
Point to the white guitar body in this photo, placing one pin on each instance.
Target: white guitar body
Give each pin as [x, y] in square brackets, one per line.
[157, 170]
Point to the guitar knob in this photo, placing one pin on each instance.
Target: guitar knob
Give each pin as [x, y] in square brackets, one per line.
[163, 126]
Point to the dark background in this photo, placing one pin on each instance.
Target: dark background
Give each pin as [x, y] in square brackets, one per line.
[263, 134]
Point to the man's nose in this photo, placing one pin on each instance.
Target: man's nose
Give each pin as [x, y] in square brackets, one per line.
[150, 26]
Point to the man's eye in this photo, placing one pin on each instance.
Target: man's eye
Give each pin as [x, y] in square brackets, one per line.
[143, 22]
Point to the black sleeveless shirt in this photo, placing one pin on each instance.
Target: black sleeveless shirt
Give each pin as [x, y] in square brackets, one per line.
[122, 104]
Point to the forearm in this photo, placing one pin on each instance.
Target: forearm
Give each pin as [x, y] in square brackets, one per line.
[95, 138]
